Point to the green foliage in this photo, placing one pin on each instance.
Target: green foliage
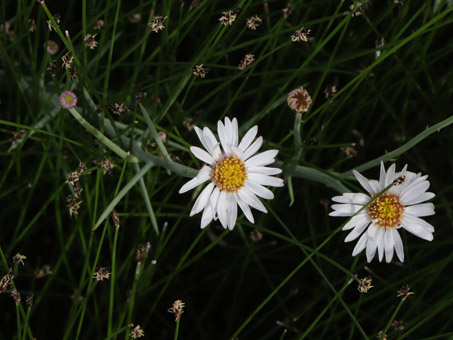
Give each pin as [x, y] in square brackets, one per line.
[299, 281]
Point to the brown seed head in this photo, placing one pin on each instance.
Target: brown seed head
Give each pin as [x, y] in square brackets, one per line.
[365, 285]
[136, 332]
[177, 309]
[43, 271]
[52, 69]
[254, 22]
[101, 274]
[107, 166]
[31, 25]
[248, 59]
[6, 279]
[118, 109]
[73, 205]
[16, 296]
[287, 10]
[404, 292]
[67, 59]
[19, 258]
[301, 35]
[115, 219]
[299, 100]
[17, 137]
[72, 177]
[29, 300]
[157, 24]
[228, 17]
[200, 71]
[99, 24]
[90, 41]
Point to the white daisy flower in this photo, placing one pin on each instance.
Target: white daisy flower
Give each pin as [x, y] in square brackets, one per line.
[400, 206]
[237, 176]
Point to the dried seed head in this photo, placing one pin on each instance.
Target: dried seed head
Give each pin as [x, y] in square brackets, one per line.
[381, 335]
[139, 96]
[365, 285]
[57, 18]
[400, 180]
[404, 292]
[254, 22]
[16, 296]
[115, 219]
[19, 258]
[330, 90]
[107, 166]
[72, 73]
[118, 109]
[140, 253]
[136, 332]
[43, 271]
[99, 24]
[82, 167]
[52, 69]
[398, 325]
[90, 41]
[73, 205]
[6, 280]
[157, 24]
[228, 17]
[67, 59]
[101, 274]
[299, 100]
[29, 300]
[301, 35]
[135, 18]
[17, 137]
[256, 235]
[77, 191]
[72, 177]
[350, 151]
[287, 10]
[358, 7]
[177, 309]
[188, 123]
[248, 59]
[200, 71]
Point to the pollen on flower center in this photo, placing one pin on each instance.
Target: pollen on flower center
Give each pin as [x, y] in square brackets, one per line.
[229, 174]
[387, 211]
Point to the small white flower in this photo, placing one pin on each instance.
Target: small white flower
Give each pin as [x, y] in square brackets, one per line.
[236, 176]
[400, 206]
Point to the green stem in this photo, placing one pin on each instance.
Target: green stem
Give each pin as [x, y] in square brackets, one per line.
[103, 139]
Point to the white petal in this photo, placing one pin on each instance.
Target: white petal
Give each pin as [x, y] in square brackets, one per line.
[398, 244]
[210, 140]
[357, 221]
[373, 231]
[265, 180]
[207, 216]
[262, 159]
[264, 170]
[370, 250]
[222, 209]
[414, 191]
[390, 176]
[235, 133]
[252, 149]
[202, 155]
[361, 244]
[248, 138]
[232, 211]
[224, 138]
[214, 200]
[363, 182]
[358, 198]
[382, 176]
[201, 137]
[380, 243]
[259, 190]
[419, 210]
[245, 208]
[344, 209]
[356, 232]
[202, 176]
[418, 199]
[375, 185]
[413, 219]
[202, 199]
[250, 199]
[389, 245]
[414, 226]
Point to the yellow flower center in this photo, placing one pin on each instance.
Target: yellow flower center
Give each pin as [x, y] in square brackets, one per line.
[387, 210]
[69, 99]
[229, 174]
